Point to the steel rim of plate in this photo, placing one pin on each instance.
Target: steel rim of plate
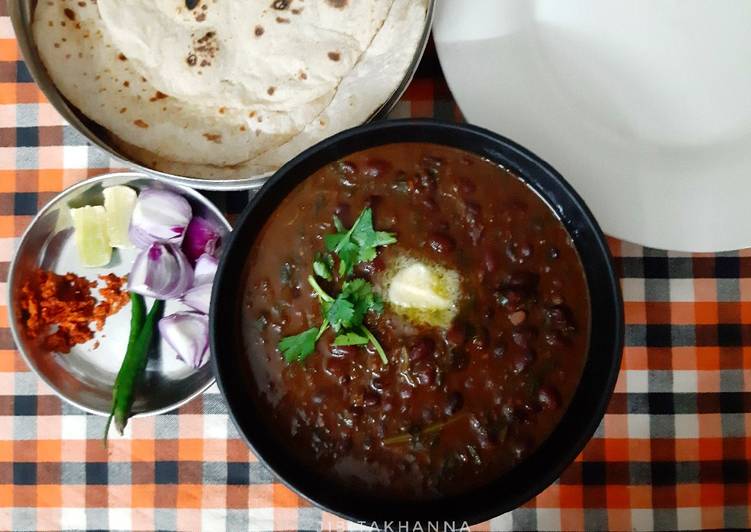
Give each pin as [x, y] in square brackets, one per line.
[21, 14]
[10, 305]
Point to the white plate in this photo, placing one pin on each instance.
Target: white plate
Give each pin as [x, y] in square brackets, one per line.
[643, 105]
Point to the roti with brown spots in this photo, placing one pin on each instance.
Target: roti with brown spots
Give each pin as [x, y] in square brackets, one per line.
[216, 87]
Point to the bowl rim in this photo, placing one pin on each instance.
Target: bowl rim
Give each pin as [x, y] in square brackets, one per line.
[21, 22]
[11, 304]
[427, 127]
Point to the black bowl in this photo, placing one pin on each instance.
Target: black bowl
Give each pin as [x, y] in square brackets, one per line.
[578, 423]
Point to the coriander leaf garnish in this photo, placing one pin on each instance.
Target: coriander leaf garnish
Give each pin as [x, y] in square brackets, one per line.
[360, 292]
[346, 312]
[351, 338]
[340, 313]
[359, 243]
[376, 344]
[318, 290]
[353, 302]
[339, 225]
[323, 265]
[368, 238]
[298, 347]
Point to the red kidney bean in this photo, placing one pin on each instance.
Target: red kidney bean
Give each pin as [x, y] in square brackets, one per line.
[373, 201]
[523, 336]
[472, 212]
[441, 243]
[507, 411]
[427, 182]
[376, 167]
[459, 359]
[454, 403]
[371, 399]
[510, 298]
[368, 269]
[524, 412]
[431, 161]
[424, 373]
[344, 351]
[343, 210]
[522, 280]
[521, 449]
[338, 368]
[490, 261]
[548, 397]
[457, 333]
[344, 445]
[406, 392]
[428, 415]
[430, 204]
[478, 345]
[422, 349]
[559, 318]
[499, 351]
[466, 186]
[555, 339]
[481, 433]
[521, 360]
[519, 251]
[347, 167]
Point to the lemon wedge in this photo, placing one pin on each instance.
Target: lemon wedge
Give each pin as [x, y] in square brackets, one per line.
[119, 202]
[90, 234]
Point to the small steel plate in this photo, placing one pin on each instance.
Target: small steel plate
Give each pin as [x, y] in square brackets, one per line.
[85, 376]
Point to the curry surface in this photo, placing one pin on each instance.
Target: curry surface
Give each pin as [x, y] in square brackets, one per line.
[454, 408]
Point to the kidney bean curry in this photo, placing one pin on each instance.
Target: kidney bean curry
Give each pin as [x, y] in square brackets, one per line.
[416, 321]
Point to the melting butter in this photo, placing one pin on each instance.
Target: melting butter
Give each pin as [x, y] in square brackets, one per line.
[423, 293]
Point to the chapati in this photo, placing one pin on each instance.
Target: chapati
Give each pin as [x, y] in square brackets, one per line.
[228, 88]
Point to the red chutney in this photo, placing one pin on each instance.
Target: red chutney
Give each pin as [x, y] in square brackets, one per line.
[455, 407]
[58, 309]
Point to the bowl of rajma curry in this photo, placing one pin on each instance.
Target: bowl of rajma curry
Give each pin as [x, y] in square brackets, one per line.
[417, 321]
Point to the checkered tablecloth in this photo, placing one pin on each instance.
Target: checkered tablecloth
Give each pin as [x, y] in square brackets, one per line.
[672, 452]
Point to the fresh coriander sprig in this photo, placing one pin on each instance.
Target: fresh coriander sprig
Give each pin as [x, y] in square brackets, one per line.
[358, 244]
[318, 290]
[346, 312]
[375, 343]
[300, 346]
[323, 266]
[345, 315]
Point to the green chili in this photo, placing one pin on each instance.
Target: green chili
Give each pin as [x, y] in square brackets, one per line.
[136, 355]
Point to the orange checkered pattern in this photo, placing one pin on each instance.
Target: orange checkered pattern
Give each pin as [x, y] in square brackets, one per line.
[672, 452]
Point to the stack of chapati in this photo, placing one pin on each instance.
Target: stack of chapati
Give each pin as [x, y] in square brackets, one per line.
[226, 88]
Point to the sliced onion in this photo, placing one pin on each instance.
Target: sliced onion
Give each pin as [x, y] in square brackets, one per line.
[205, 270]
[159, 216]
[202, 236]
[161, 271]
[198, 298]
[188, 334]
